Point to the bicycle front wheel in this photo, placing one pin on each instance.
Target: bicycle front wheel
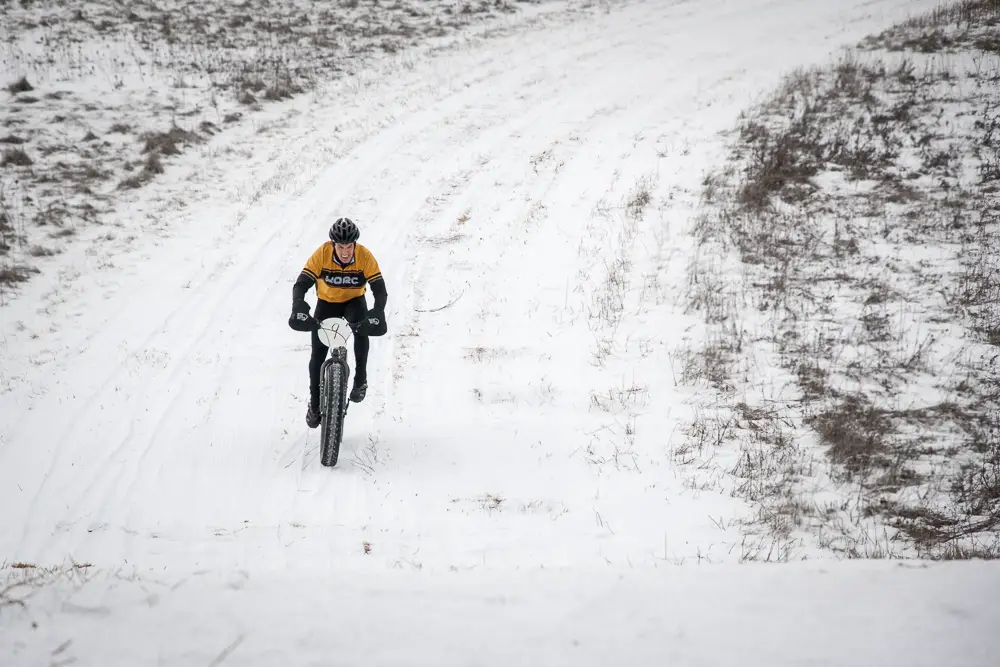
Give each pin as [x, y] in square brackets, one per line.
[333, 405]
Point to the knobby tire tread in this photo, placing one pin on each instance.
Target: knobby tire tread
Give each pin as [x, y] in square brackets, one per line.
[335, 397]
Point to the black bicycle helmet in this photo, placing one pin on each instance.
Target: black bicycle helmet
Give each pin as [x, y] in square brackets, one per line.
[344, 231]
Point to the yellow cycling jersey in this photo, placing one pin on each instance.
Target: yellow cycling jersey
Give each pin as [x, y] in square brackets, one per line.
[336, 282]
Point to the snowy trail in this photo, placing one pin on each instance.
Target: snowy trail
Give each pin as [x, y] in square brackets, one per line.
[167, 423]
[507, 493]
[865, 614]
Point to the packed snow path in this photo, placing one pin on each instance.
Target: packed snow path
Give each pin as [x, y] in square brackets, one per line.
[522, 410]
[508, 492]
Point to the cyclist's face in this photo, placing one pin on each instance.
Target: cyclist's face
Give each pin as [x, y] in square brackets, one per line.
[345, 251]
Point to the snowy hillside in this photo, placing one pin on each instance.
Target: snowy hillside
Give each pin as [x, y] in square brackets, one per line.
[537, 475]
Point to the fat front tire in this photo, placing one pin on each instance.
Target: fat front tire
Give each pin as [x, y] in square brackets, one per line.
[333, 401]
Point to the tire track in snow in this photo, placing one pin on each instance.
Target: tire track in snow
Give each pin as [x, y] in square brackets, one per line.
[643, 110]
[112, 477]
[372, 157]
[525, 86]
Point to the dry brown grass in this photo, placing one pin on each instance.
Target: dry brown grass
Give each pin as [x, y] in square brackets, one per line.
[11, 274]
[15, 157]
[20, 86]
[211, 65]
[837, 185]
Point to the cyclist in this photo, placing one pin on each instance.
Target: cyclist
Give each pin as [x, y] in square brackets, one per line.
[341, 269]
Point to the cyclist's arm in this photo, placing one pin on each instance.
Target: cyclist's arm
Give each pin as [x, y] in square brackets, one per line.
[373, 274]
[310, 274]
[302, 285]
[378, 291]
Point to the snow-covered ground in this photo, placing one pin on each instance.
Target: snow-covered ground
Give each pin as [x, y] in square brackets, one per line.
[848, 613]
[510, 489]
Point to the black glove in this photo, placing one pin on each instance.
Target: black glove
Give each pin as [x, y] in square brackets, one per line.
[375, 323]
[300, 319]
